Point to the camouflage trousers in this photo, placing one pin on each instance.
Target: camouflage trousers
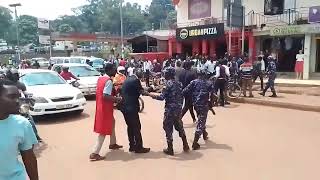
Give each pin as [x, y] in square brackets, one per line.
[202, 114]
[172, 119]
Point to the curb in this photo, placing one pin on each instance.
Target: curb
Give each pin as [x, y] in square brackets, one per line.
[300, 107]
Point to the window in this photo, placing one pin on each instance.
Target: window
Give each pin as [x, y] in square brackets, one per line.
[41, 78]
[273, 7]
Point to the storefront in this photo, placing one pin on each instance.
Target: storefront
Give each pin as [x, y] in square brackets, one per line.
[286, 41]
[204, 40]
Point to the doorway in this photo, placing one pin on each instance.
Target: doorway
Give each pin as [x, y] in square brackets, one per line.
[318, 56]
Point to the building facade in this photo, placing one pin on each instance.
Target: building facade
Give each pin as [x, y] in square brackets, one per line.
[280, 26]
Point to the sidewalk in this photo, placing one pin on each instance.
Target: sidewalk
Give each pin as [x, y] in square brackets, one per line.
[297, 83]
[288, 101]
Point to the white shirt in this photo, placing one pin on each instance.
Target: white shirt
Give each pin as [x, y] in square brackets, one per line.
[147, 65]
[210, 66]
[130, 71]
[300, 57]
[263, 65]
[218, 71]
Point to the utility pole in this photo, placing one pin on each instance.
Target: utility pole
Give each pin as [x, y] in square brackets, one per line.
[17, 26]
[121, 24]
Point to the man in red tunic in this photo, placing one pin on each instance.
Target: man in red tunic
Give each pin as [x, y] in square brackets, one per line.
[104, 121]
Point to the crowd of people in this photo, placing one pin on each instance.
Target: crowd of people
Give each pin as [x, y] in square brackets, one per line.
[189, 81]
[190, 84]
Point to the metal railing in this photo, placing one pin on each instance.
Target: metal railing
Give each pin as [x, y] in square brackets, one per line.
[258, 20]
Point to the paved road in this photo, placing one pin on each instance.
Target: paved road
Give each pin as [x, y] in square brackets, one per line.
[280, 145]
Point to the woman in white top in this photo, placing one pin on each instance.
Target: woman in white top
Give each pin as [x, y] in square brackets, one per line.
[299, 65]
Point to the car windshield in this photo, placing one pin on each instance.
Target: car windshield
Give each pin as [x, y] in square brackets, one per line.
[76, 60]
[97, 62]
[41, 78]
[83, 71]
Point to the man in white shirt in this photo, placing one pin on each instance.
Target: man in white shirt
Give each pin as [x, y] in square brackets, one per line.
[130, 70]
[210, 67]
[222, 72]
[147, 66]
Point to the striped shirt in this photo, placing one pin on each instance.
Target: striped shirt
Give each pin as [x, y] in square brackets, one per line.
[246, 70]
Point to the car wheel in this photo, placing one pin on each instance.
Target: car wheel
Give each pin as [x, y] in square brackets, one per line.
[78, 112]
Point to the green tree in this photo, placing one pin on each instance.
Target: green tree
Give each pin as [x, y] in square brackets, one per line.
[74, 22]
[158, 12]
[28, 29]
[5, 22]
[65, 28]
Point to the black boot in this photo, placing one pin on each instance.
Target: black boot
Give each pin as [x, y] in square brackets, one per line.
[205, 135]
[263, 93]
[169, 150]
[196, 145]
[186, 147]
[274, 94]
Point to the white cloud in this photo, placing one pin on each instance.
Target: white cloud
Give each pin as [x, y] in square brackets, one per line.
[52, 9]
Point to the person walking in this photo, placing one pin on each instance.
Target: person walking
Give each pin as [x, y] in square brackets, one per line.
[222, 73]
[147, 66]
[200, 90]
[172, 94]
[131, 91]
[17, 137]
[246, 77]
[259, 70]
[104, 120]
[186, 79]
[271, 71]
[299, 64]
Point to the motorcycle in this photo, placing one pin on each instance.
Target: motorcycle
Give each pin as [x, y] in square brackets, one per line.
[26, 104]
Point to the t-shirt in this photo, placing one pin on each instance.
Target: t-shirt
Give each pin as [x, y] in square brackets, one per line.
[107, 90]
[130, 71]
[16, 135]
[300, 57]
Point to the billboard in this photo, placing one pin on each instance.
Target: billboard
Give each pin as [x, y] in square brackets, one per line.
[44, 39]
[314, 14]
[43, 23]
[199, 9]
[211, 31]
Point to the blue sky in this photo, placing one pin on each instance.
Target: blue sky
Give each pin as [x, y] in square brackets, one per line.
[52, 9]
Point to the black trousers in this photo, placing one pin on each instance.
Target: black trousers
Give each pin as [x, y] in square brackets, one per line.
[147, 77]
[220, 86]
[134, 129]
[188, 106]
[255, 77]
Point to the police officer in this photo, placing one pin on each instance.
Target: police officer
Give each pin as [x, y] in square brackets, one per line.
[172, 94]
[271, 71]
[200, 90]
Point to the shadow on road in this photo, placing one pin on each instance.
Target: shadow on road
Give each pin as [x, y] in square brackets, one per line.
[61, 118]
[212, 145]
[126, 156]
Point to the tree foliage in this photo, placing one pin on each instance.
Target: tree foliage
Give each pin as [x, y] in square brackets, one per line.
[5, 22]
[96, 16]
[28, 29]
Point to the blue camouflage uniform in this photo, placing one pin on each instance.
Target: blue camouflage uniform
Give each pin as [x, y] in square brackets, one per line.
[200, 90]
[172, 94]
[271, 70]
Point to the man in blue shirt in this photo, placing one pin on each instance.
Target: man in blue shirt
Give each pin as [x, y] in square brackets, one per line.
[17, 137]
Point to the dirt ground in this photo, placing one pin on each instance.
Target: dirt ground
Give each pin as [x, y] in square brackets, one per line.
[247, 142]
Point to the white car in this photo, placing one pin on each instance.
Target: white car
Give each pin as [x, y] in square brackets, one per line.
[51, 92]
[88, 76]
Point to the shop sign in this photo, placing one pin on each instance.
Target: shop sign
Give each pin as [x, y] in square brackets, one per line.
[200, 32]
[295, 29]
